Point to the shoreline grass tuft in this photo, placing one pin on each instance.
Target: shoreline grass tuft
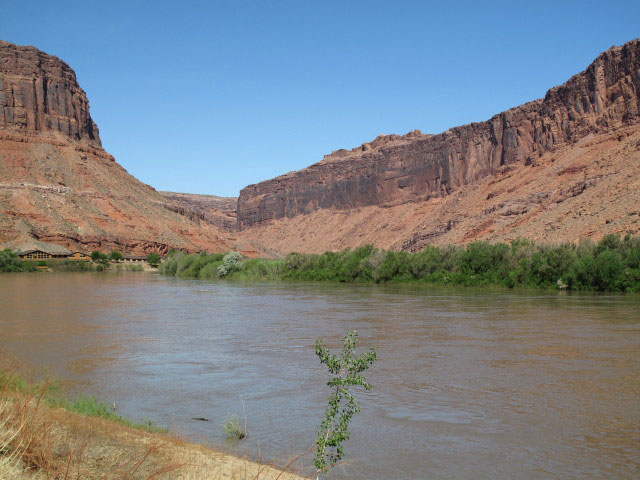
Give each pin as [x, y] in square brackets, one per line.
[233, 429]
[50, 394]
[92, 407]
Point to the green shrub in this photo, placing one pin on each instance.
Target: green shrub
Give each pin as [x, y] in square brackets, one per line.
[608, 242]
[71, 266]
[10, 262]
[609, 265]
[426, 262]
[585, 248]
[347, 369]
[630, 280]
[101, 259]
[233, 429]
[28, 267]
[630, 251]
[153, 259]
[481, 257]
[169, 265]
[608, 268]
[259, 269]
[549, 264]
[210, 270]
[230, 264]
[394, 265]
[180, 264]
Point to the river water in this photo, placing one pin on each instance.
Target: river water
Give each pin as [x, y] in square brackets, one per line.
[468, 383]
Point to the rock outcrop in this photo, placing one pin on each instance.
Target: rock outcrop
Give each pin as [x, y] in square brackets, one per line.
[394, 170]
[584, 190]
[39, 93]
[58, 185]
[556, 169]
[218, 211]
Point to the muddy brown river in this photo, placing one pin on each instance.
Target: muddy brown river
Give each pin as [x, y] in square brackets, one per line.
[468, 384]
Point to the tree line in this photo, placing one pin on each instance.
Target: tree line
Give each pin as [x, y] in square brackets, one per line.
[611, 264]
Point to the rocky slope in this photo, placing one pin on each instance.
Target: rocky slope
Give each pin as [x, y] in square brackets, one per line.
[556, 169]
[218, 211]
[525, 172]
[57, 183]
[584, 190]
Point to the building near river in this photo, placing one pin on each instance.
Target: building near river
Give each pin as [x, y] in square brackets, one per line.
[41, 255]
[48, 255]
[41, 251]
[133, 259]
[80, 256]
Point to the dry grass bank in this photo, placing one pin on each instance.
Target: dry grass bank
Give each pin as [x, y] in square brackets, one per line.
[42, 443]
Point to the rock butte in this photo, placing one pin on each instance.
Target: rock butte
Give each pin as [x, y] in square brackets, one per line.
[556, 169]
[59, 186]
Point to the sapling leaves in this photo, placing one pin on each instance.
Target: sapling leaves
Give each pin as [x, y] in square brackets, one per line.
[341, 404]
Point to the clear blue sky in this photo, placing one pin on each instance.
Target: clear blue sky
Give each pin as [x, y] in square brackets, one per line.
[208, 97]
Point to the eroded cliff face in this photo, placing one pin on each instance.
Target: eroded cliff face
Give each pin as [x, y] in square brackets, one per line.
[58, 185]
[394, 170]
[218, 211]
[584, 190]
[39, 94]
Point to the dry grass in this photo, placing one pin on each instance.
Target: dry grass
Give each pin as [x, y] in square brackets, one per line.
[42, 443]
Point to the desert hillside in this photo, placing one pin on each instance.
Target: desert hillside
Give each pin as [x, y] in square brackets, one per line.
[59, 186]
[219, 211]
[556, 169]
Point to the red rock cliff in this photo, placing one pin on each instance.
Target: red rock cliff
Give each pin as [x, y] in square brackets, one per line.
[39, 94]
[58, 186]
[398, 169]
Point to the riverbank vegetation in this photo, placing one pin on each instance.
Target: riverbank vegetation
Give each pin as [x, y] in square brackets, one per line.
[10, 262]
[612, 264]
[50, 394]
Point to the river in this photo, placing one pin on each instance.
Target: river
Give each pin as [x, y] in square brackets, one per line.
[468, 383]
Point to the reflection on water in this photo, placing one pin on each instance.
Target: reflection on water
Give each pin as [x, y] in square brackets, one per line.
[469, 383]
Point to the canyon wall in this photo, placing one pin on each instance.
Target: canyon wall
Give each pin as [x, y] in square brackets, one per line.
[555, 169]
[58, 186]
[39, 93]
[394, 170]
[218, 211]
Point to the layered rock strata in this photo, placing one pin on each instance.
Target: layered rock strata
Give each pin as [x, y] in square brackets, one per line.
[218, 211]
[39, 93]
[394, 170]
[584, 190]
[57, 184]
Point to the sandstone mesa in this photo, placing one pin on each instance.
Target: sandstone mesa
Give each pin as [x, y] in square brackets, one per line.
[59, 186]
[556, 169]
